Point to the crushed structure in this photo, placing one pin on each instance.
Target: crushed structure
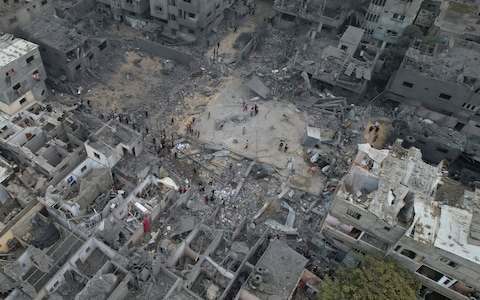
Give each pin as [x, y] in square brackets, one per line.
[172, 170]
[387, 203]
[66, 53]
[442, 81]
[346, 65]
[16, 15]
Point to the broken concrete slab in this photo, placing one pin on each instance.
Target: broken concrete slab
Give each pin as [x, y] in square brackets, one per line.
[256, 85]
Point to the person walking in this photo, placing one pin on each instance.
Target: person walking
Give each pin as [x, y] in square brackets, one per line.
[246, 145]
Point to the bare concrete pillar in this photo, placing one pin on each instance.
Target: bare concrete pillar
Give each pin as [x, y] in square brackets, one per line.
[295, 59]
[319, 29]
[379, 52]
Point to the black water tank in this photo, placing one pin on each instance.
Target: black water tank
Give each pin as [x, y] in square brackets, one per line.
[48, 107]
[408, 141]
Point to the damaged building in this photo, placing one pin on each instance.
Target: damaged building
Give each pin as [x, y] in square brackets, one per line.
[65, 51]
[23, 72]
[385, 20]
[111, 142]
[15, 15]
[119, 10]
[442, 81]
[324, 16]
[43, 140]
[388, 204]
[343, 67]
[187, 20]
[460, 19]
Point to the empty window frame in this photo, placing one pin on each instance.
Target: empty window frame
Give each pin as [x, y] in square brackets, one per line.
[444, 96]
[353, 214]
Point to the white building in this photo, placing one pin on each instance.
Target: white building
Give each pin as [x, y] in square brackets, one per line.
[23, 74]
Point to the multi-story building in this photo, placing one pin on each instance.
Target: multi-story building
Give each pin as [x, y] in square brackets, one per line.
[460, 18]
[385, 20]
[64, 51]
[17, 14]
[23, 72]
[189, 19]
[327, 16]
[120, 9]
[388, 204]
[443, 79]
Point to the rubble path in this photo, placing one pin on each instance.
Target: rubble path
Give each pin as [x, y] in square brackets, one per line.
[247, 24]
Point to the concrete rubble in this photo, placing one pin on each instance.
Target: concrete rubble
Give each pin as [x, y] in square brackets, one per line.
[180, 171]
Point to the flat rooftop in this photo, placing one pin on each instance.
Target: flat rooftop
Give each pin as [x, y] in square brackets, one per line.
[55, 32]
[353, 35]
[13, 48]
[453, 232]
[111, 135]
[284, 266]
[453, 60]
[459, 18]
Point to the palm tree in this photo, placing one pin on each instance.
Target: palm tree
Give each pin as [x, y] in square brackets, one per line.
[354, 11]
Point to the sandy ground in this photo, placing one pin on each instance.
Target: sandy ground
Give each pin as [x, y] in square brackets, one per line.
[137, 85]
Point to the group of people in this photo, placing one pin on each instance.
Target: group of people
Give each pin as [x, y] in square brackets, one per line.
[374, 129]
[253, 110]
[191, 131]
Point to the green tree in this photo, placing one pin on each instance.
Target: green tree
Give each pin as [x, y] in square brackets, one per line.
[354, 11]
[374, 278]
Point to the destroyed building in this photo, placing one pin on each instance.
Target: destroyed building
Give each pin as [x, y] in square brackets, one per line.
[37, 248]
[442, 81]
[325, 16]
[460, 19]
[434, 141]
[24, 74]
[385, 20]
[387, 204]
[343, 67]
[119, 10]
[15, 15]
[47, 141]
[188, 20]
[65, 51]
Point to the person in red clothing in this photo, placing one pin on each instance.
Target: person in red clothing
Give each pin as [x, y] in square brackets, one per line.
[146, 225]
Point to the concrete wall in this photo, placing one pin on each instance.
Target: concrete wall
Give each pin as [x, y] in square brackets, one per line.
[80, 8]
[12, 100]
[15, 21]
[93, 153]
[428, 90]
[367, 222]
[391, 19]
[163, 51]
[433, 150]
[57, 63]
[137, 7]
[464, 271]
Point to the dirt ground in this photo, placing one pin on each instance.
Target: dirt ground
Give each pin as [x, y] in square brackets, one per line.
[136, 87]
